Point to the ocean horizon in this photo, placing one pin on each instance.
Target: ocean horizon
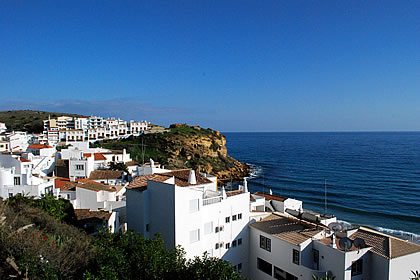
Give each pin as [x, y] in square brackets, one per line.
[372, 177]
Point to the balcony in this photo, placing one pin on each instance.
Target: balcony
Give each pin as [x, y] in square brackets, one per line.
[212, 200]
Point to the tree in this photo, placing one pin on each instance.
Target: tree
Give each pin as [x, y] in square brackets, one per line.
[326, 277]
[416, 275]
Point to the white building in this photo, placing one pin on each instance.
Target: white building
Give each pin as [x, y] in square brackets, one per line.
[3, 127]
[285, 247]
[93, 221]
[18, 141]
[4, 146]
[188, 210]
[16, 177]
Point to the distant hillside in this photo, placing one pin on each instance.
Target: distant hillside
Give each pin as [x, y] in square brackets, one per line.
[28, 120]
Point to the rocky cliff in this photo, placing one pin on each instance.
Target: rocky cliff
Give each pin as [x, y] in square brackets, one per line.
[185, 146]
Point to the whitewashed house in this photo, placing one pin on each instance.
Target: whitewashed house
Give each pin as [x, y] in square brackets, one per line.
[4, 146]
[18, 141]
[108, 177]
[285, 247]
[17, 178]
[188, 210]
[3, 128]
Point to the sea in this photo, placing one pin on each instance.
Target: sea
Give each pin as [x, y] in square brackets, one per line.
[368, 178]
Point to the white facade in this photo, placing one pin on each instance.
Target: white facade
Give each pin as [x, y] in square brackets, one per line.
[195, 216]
[283, 247]
[3, 127]
[16, 177]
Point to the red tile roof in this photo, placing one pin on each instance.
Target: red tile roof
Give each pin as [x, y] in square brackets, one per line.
[105, 174]
[99, 156]
[39, 146]
[270, 196]
[181, 179]
[232, 193]
[60, 182]
[24, 159]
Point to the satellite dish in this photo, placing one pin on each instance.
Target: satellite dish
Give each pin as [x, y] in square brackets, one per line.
[359, 243]
[335, 227]
[345, 243]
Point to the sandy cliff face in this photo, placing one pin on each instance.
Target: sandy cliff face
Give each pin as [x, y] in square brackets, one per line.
[205, 151]
[183, 146]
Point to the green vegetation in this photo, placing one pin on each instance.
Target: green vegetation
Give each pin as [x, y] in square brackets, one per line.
[28, 120]
[36, 245]
[416, 275]
[326, 277]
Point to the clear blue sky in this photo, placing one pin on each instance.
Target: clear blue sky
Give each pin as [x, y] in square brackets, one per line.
[229, 65]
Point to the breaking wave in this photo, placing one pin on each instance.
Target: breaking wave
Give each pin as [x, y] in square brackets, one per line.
[415, 238]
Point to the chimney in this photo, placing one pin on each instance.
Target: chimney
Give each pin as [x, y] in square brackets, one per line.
[245, 185]
[224, 193]
[152, 163]
[271, 192]
[191, 178]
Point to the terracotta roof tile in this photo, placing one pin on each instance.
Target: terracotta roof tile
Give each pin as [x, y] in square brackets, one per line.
[24, 159]
[385, 245]
[99, 156]
[288, 229]
[61, 182]
[38, 146]
[232, 193]
[270, 196]
[98, 187]
[84, 214]
[181, 179]
[105, 174]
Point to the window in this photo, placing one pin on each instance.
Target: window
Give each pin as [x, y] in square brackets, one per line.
[194, 235]
[147, 227]
[295, 256]
[80, 167]
[17, 181]
[216, 246]
[194, 205]
[216, 230]
[264, 266]
[234, 218]
[227, 245]
[239, 241]
[234, 243]
[265, 243]
[279, 273]
[357, 267]
[227, 219]
[240, 216]
[239, 267]
[208, 228]
[315, 254]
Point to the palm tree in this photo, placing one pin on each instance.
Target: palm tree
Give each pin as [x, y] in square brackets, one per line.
[416, 275]
[326, 277]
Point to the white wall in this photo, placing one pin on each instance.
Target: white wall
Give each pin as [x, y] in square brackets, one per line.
[401, 267]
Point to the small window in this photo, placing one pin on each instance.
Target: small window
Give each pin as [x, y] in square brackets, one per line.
[239, 241]
[80, 167]
[295, 256]
[264, 266]
[227, 245]
[239, 216]
[234, 243]
[194, 235]
[357, 267]
[216, 246]
[17, 181]
[227, 219]
[265, 243]
[194, 205]
[239, 267]
[216, 229]
[315, 254]
[147, 227]
[208, 228]
[234, 218]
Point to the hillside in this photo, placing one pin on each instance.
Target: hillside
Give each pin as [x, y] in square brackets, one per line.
[184, 146]
[28, 120]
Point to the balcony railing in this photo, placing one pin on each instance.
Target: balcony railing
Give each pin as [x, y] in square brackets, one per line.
[212, 200]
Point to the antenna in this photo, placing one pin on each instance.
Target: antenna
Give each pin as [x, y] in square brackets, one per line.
[325, 193]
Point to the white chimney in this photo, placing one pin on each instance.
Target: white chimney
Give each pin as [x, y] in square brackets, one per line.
[245, 185]
[271, 192]
[191, 178]
[152, 163]
[224, 193]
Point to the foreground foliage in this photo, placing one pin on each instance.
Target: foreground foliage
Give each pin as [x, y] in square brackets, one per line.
[35, 244]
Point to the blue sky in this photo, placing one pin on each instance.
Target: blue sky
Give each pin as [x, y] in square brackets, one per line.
[229, 65]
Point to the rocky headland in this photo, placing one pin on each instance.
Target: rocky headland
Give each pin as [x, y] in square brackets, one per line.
[183, 146]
